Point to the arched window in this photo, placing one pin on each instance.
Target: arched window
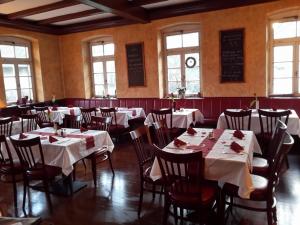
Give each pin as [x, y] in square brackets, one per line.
[182, 59]
[102, 52]
[284, 57]
[16, 64]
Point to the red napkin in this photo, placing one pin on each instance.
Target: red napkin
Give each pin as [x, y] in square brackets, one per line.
[178, 142]
[191, 131]
[70, 106]
[133, 112]
[238, 134]
[274, 109]
[82, 129]
[52, 139]
[22, 136]
[54, 108]
[236, 147]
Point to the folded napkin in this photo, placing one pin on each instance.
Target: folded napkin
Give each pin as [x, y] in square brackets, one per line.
[133, 112]
[238, 134]
[52, 139]
[70, 106]
[274, 109]
[178, 143]
[236, 147]
[54, 108]
[82, 129]
[191, 131]
[22, 136]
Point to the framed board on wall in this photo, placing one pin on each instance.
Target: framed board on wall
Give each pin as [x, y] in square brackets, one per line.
[135, 64]
[232, 55]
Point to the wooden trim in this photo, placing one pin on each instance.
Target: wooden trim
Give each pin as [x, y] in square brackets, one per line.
[5, 1]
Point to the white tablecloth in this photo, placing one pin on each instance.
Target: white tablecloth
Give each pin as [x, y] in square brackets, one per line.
[17, 126]
[221, 163]
[293, 126]
[181, 118]
[125, 114]
[67, 151]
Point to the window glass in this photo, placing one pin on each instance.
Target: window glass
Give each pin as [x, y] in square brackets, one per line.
[191, 39]
[284, 30]
[174, 41]
[7, 51]
[109, 49]
[97, 50]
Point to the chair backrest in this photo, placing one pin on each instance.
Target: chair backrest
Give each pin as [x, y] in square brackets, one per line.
[163, 115]
[283, 148]
[87, 114]
[5, 153]
[72, 121]
[268, 119]
[180, 167]
[42, 114]
[238, 120]
[100, 123]
[5, 126]
[30, 152]
[142, 145]
[24, 109]
[162, 134]
[29, 122]
[109, 112]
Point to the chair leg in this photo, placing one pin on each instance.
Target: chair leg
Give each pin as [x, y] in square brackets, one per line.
[74, 171]
[24, 195]
[166, 210]
[181, 216]
[269, 214]
[46, 186]
[175, 214]
[94, 170]
[141, 198]
[153, 192]
[274, 213]
[15, 195]
[110, 163]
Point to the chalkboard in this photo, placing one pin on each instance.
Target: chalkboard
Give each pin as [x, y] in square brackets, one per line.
[135, 64]
[232, 55]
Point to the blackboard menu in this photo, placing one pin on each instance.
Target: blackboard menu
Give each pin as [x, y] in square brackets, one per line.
[135, 64]
[232, 55]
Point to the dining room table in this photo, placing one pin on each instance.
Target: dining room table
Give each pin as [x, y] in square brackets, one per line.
[222, 163]
[16, 127]
[181, 118]
[293, 125]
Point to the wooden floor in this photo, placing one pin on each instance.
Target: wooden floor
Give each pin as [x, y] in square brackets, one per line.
[115, 199]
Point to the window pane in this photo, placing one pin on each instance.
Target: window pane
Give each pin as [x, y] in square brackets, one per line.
[99, 90]
[98, 78]
[8, 70]
[7, 51]
[11, 96]
[21, 52]
[191, 39]
[26, 92]
[98, 67]
[284, 30]
[192, 87]
[97, 50]
[173, 61]
[192, 74]
[298, 28]
[24, 70]
[283, 53]
[283, 70]
[10, 83]
[111, 78]
[174, 75]
[109, 49]
[174, 41]
[192, 55]
[110, 66]
[282, 86]
[25, 82]
[111, 89]
[172, 87]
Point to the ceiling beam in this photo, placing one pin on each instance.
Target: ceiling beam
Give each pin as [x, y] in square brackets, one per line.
[41, 9]
[135, 3]
[119, 8]
[70, 16]
[5, 1]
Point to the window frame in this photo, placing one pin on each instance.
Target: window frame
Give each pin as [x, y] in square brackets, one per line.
[181, 29]
[103, 59]
[295, 43]
[15, 41]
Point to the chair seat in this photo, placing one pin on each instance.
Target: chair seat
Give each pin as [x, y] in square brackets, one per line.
[5, 168]
[37, 173]
[260, 166]
[259, 193]
[192, 195]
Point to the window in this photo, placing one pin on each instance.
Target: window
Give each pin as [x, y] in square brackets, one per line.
[103, 67]
[182, 62]
[285, 56]
[16, 63]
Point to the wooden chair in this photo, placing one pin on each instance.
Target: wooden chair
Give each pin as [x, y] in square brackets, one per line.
[6, 126]
[87, 114]
[166, 116]
[43, 119]
[31, 157]
[240, 120]
[102, 154]
[183, 175]
[261, 166]
[23, 109]
[29, 122]
[72, 121]
[264, 188]
[162, 134]
[136, 122]
[145, 155]
[9, 167]
[116, 130]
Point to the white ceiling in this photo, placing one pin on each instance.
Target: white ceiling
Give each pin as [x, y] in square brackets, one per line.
[166, 3]
[84, 19]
